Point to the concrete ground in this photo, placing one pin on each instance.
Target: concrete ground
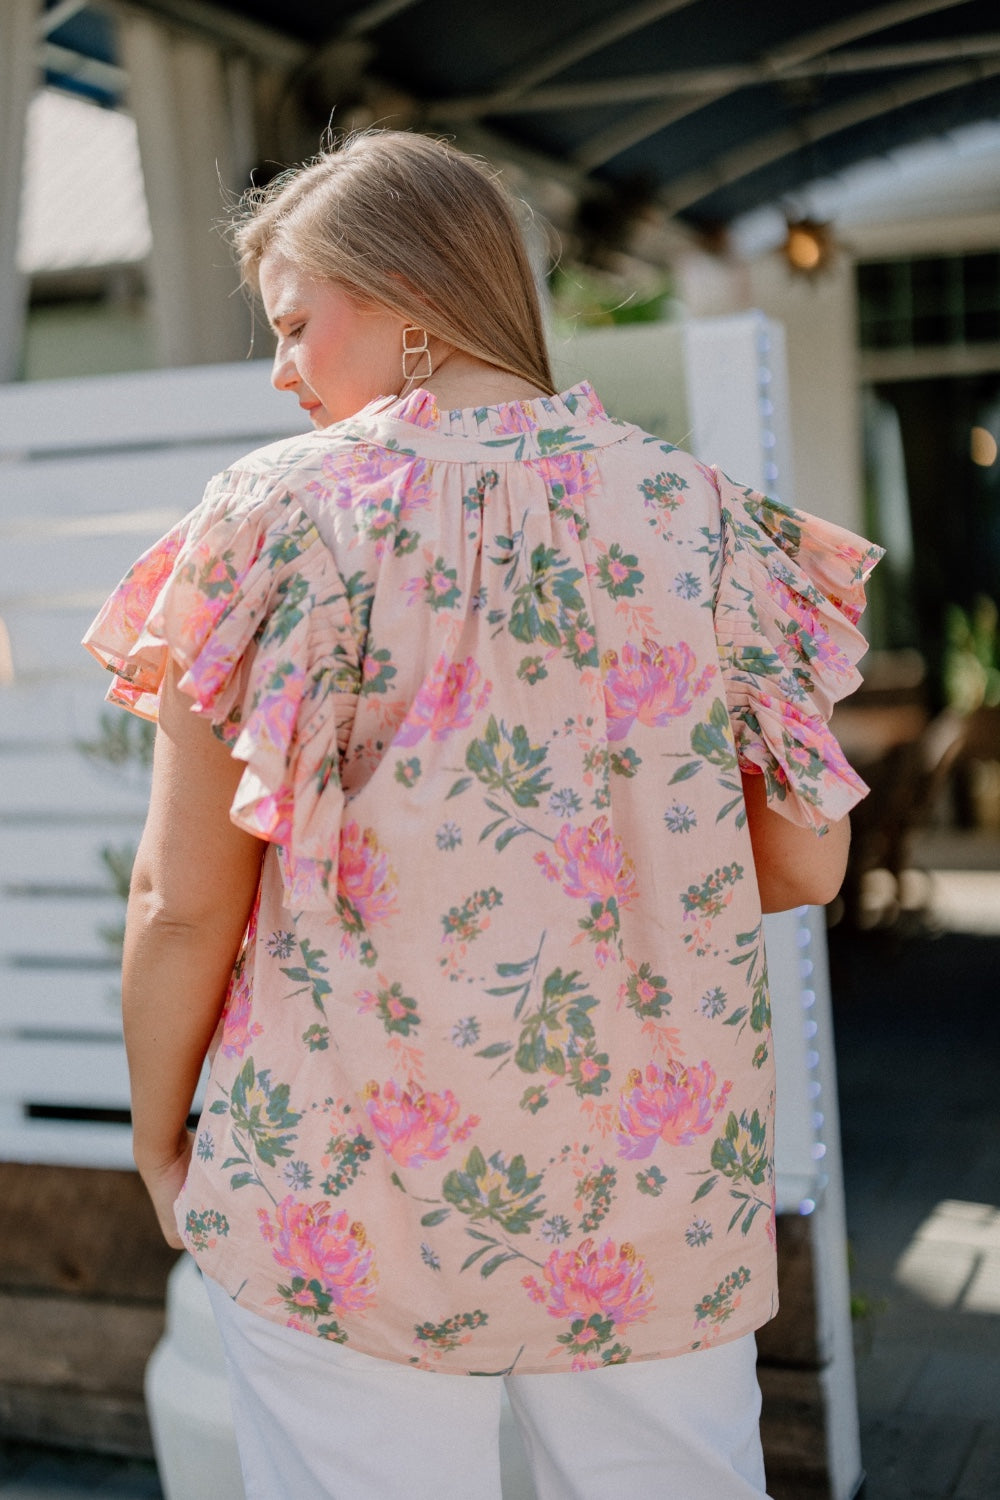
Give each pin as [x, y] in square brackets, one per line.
[915, 1013]
[915, 1009]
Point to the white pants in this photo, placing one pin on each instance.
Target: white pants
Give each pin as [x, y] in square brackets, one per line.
[318, 1421]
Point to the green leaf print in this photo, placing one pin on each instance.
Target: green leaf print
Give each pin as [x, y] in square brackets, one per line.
[647, 993]
[741, 1154]
[597, 1191]
[452, 1333]
[377, 671]
[526, 969]
[756, 976]
[558, 1027]
[260, 1113]
[495, 1190]
[397, 1012]
[619, 573]
[203, 1229]
[441, 589]
[552, 439]
[713, 738]
[360, 596]
[718, 1306]
[685, 772]
[309, 974]
[507, 762]
[287, 613]
[208, 581]
[348, 1155]
[664, 490]
[545, 603]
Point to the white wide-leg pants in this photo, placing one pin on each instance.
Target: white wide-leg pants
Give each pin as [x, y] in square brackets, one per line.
[317, 1421]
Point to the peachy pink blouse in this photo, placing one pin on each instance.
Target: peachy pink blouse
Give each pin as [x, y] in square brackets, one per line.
[494, 1089]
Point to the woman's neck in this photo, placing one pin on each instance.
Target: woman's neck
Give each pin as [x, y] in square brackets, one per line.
[461, 380]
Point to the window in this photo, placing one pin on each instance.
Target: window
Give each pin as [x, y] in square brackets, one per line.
[930, 301]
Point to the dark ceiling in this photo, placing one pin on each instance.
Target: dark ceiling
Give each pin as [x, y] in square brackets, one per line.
[715, 107]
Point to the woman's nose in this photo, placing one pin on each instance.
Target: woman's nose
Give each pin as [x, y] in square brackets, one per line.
[284, 376]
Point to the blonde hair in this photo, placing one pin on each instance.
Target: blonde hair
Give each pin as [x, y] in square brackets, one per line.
[415, 225]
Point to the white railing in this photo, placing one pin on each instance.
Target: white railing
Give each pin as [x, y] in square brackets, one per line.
[91, 472]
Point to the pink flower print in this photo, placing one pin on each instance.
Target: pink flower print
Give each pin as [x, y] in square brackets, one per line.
[335, 486]
[515, 416]
[126, 611]
[276, 705]
[365, 878]
[569, 479]
[386, 490]
[572, 472]
[675, 1105]
[269, 816]
[653, 685]
[448, 698]
[594, 864]
[594, 1285]
[237, 1029]
[418, 1127]
[213, 665]
[421, 409]
[330, 1260]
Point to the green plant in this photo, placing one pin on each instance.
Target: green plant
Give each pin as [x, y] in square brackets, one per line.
[122, 740]
[584, 297]
[971, 665]
[125, 744]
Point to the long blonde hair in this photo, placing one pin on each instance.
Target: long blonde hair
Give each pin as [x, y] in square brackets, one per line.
[415, 225]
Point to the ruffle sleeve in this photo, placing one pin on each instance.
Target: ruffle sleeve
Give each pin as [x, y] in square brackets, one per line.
[245, 596]
[791, 591]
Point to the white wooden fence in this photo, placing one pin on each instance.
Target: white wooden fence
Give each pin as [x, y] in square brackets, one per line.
[91, 472]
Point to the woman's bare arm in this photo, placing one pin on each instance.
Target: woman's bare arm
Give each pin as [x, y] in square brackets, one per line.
[795, 865]
[193, 887]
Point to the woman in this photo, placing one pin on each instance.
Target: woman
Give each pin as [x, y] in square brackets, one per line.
[509, 722]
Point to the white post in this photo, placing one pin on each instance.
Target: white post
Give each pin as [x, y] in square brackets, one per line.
[196, 153]
[18, 78]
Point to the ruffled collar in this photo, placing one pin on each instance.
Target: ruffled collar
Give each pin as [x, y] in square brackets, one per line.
[420, 408]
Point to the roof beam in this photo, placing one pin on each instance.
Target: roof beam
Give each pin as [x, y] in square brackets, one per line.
[712, 82]
[373, 15]
[866, 23]
[609, 143]
[586, 42]
[733, 165]
[87, 71]
[51, 20]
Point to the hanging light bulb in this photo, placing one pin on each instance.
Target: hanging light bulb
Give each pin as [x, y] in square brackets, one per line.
[809, 246]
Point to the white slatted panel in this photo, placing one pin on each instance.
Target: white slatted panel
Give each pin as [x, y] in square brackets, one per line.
[91, 473]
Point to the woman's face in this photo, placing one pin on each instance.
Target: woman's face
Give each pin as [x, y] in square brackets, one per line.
[334, 353]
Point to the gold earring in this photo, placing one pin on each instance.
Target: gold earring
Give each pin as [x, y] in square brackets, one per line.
[417, 362]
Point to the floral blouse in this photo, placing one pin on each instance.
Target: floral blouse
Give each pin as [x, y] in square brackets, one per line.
[494, 1088]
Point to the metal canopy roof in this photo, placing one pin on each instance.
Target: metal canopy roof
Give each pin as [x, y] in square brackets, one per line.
[711, 107]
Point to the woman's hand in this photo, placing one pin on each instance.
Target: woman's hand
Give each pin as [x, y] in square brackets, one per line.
[164, 1180]
[194, 882]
